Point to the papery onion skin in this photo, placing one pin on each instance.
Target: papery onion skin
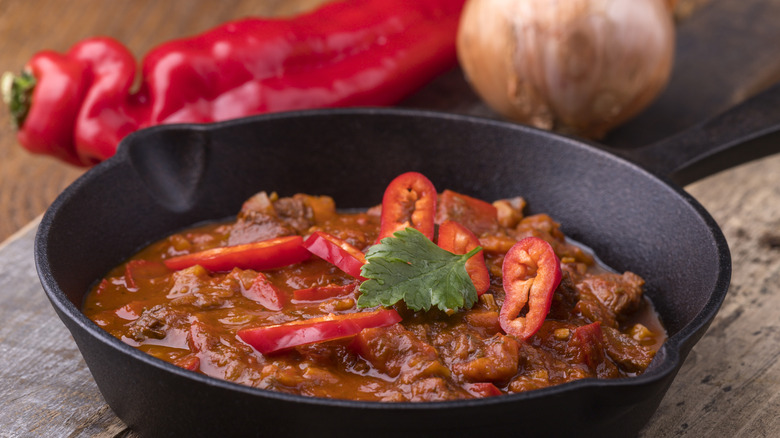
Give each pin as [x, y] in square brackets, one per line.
[577, 66]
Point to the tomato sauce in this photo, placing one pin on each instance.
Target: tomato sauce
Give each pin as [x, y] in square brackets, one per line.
[599, 324]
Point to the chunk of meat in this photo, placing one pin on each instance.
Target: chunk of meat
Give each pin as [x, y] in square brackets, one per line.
[394, 350]
[194, 286]
[157, 323]
[621, 294]
[564, 299]
[220, 356]
[258, 220]
[592, 310]
[432, 389]
[539, 368]
[494, 360]
[509, 211]
[323, 208]
[486, 321]
[628, 353]
[544, 227]
[294, 213]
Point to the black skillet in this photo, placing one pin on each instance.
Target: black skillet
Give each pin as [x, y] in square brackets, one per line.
[166, 178]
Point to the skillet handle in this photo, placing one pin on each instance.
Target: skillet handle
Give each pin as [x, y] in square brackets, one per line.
[749, 131]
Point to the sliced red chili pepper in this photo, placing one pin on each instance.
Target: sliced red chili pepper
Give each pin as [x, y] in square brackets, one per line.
[475, 214]
[531, 273]
[458, 239]
[319, 293]
[340, 253]
[270, 338]
[266, 254]
[265, 293]
[409, 201]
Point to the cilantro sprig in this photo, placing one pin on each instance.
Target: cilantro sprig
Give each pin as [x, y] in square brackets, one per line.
[409, 267]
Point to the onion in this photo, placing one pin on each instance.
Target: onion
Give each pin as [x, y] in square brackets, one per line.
[577, 66]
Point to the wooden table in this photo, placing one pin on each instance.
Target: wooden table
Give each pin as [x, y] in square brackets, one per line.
[727, 50]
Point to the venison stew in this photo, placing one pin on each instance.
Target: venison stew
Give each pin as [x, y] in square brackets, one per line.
[429, 296]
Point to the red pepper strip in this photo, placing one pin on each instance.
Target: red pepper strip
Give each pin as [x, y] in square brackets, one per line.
[265, 293]
[142, 271]
[587, 341]
[346, 53]
[475, 214]
[270, 338]
[531, 272]
[409, 201]
[319, 293]
[482, 389]
[458, 239]
[189, 362]
[266, 254]
[340, 253]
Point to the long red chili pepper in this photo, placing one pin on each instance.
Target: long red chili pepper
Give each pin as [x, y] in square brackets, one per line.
[79, 105]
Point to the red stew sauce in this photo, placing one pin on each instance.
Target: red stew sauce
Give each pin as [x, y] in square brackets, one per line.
[319, 343]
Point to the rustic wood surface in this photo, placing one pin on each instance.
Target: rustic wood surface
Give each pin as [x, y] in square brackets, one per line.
[727, 50]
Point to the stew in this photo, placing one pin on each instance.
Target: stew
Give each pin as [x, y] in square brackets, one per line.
[427, 296]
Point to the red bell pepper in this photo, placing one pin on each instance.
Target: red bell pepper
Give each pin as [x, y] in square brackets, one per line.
[340, 253]
[265, 293]
[141, 271]
[409, 201]
[319, 293]
[482, 389]
[270, 338]
[475, 214]
[266, 254]
[458, 239]
[57, 85]
[345, 53]
[587, 342]
[531, 273]
[189, 362]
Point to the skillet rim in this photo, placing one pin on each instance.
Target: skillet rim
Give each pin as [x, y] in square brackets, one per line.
[675, 347]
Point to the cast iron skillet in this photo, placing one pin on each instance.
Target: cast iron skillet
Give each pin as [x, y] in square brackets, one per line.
[169, 177]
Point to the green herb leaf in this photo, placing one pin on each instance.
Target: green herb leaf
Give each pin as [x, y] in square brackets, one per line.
[409, 267]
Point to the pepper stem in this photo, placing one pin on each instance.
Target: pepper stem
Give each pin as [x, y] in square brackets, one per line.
[17, 94]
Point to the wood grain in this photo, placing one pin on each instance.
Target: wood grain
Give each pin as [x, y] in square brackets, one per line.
[730, 383]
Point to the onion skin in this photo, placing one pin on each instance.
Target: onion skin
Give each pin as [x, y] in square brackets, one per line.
[581, 67]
